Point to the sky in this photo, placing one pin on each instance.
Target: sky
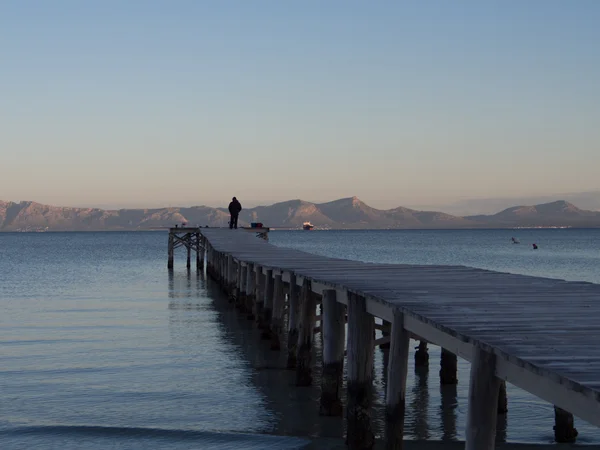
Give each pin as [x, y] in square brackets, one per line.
[155, 103]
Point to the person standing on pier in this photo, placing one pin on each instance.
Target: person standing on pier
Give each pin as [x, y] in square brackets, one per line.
[234, 209]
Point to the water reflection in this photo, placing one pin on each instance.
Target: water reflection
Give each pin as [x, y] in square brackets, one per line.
[417, 422]
[448, 407]
[291, 410]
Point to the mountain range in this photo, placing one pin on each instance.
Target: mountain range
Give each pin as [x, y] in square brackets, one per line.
[346, 213]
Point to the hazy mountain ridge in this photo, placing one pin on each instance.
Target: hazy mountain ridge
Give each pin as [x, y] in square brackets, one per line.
[558, 213]
[346, 213]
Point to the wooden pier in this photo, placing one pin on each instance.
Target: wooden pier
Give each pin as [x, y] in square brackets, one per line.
[189, 238]
[539, 334]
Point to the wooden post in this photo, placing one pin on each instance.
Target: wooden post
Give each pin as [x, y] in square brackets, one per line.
[396, 383]
[421, 355]
[241, 299]
[564, 427]
[305, 335]
[502, 400]
[361, 326]
[448, 367]
[483, 402]
[203, 250]
[219, 267]
[268, 305]
[188, 246]
[171, 252]
[198, 266]
[385, 332]
[277, 319]
[293, 322]
[208, 259]
[231, 277]
[250, 291]
[259, 284]
[333, 323]
[223, 271]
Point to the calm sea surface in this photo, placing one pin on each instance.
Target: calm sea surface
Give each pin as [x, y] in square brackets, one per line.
[100, 347]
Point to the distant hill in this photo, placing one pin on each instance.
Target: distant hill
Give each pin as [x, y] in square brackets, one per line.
[589, 200]
[559, 213]
[346, 213]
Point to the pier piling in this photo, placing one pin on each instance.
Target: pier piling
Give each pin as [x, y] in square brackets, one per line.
[259, 295]
[395, 398]
[333, 331]
[448, 367]
[250, 289]
[422, 355]
[361, 326]
[564, 426]
[171, 252]
[305, 337]
[502, 400]
[277, 318]
[268, 305]
[293, 322]
[484, 387]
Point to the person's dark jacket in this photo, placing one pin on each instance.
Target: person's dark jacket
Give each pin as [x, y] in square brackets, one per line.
[235, 207]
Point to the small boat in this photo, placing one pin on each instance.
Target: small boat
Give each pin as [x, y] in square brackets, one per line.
[515, 241]
[307, 226]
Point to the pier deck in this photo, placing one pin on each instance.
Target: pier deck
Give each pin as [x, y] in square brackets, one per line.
[543, 335]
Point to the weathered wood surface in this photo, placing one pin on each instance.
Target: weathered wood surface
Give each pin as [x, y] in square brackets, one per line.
[544, 332]
[334, 339]
[483, 402]
[277, 317]
[293, 322]
[305, 336]
[396, 384]
[361, 337]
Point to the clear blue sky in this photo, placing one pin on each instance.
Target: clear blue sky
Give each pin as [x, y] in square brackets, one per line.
[149, 103]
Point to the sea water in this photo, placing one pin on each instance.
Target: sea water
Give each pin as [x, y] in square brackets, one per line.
[102, 347]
